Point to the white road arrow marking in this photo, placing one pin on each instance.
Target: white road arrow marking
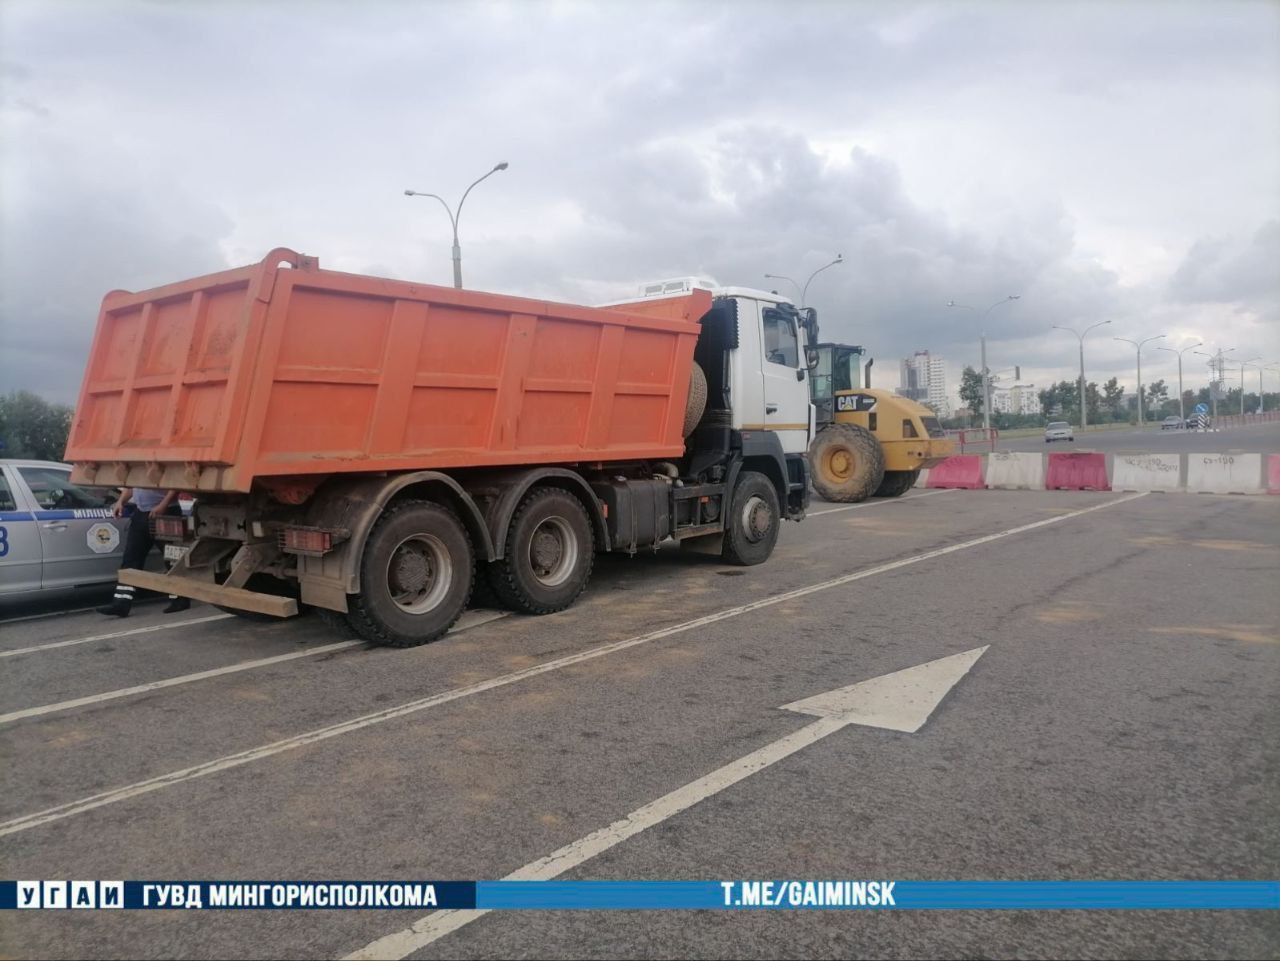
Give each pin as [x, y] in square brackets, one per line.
[901, 701]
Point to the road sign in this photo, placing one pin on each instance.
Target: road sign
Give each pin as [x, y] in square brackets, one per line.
[1202, 408]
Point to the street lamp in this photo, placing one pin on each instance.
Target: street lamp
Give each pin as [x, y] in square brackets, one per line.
[1181, 407]
[1084, 416]
[454, 217]
[986, 374]
[804, 291]
[1138, 344]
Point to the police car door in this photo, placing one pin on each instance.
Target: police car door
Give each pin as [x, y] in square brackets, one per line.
[20, 554]
[82, 543]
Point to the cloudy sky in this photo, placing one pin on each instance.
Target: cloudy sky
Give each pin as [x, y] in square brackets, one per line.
[1113, 161]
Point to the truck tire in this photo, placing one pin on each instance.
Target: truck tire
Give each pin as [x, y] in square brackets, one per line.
[897, 482]
[415, 576]
[548, 553]
[751, 526]
[847, 463]
[696, 406]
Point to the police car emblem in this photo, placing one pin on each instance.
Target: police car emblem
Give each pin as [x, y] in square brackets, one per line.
[103, 538]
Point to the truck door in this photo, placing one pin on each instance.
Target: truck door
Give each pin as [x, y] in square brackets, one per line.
[20, 554]
[786, 393]
[82, 543]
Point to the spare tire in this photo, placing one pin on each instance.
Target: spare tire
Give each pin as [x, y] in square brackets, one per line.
[696, 406]
[847, 463]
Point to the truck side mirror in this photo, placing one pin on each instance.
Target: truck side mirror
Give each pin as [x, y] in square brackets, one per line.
[811, 357]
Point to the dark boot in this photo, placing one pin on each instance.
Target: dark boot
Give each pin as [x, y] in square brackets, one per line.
[177, 604]
[121, 603]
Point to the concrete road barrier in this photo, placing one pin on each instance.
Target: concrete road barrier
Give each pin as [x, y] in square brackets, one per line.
[1010, 470]
[1146, 472]
[1273, 473]
[923, 479]
[1224, 473]
[1077, 471]
[963, 471]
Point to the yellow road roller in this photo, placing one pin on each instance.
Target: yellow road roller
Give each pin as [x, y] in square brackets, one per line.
[869, 441]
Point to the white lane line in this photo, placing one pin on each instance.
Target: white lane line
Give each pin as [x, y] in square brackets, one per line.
[412, 707]
[883, 500]
[901, 701]
[173, 682]
[167, 626]
[468, 620]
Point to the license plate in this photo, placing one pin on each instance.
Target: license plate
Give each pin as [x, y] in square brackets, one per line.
[174, 552]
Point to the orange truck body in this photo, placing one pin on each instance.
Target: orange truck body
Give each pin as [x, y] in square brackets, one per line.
[283, 375]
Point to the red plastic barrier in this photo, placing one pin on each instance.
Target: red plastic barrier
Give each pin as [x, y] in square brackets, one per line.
[1273, 473]
[963, 471]
[1077, 472]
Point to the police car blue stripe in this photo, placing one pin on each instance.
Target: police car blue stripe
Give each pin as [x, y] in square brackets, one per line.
[16, 516]
[95, 513]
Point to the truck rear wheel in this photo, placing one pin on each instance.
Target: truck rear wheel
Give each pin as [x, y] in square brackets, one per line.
[415, 576]
[847, 463]
[897, 482]
[751, 527]
[548, 553]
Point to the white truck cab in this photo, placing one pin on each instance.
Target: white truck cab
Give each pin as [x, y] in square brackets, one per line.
[767, 367]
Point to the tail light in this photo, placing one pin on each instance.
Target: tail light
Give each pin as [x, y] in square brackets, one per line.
[170, 527]
[304, 540]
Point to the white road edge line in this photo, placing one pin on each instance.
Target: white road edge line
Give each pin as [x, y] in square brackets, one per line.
[228, 761]
[884, 500]
[167, 626]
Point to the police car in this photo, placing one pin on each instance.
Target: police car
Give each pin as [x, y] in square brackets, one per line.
[54, 535]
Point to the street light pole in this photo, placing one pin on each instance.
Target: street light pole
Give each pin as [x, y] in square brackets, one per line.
[455, 217]
[1138, 344]
[982, 337]
[1084, 407]
[1182, 413]
[804, 291]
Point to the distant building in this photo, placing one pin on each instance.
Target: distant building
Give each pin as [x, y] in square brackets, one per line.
[923, 378]
[1016, 399]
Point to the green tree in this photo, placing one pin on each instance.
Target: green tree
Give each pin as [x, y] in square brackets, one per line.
[1112, 398]
[971, 390]
[33, 428]
[1093, 398]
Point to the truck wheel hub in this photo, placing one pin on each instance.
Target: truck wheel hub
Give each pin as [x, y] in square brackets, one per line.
[419, 573]
[553, 552]
[757, 518]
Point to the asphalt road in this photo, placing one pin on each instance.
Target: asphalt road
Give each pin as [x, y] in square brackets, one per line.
[1262, 438]
[1121, 725]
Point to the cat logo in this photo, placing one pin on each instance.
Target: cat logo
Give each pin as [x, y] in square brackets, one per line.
[103, 538]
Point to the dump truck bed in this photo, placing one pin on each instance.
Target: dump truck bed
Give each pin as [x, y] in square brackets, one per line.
[273, 371]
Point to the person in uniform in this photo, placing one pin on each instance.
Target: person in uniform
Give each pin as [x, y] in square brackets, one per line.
[139, 541]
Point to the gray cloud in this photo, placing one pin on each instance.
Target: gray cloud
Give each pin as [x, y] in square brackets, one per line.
[1071, 153]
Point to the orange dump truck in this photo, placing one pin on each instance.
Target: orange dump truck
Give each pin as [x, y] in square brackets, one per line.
[363, 445]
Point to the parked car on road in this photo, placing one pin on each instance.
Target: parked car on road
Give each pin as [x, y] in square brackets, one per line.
[1173, 422]
[54, 535]
[1058, 430]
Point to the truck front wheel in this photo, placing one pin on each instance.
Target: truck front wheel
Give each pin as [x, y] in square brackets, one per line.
[415, 576]
[751, 528]
[548, 554]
